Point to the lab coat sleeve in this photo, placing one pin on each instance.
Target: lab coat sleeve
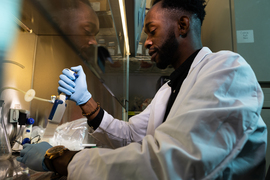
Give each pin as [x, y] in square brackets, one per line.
[214, 131]
[114, 133]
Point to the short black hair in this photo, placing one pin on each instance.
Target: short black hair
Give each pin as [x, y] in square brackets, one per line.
[192, 6]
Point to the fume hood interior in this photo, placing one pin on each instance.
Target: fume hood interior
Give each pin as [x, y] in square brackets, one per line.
[44, 51]
[41, 51]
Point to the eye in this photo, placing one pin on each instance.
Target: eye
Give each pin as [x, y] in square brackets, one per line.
[87, 32]
[152, 32]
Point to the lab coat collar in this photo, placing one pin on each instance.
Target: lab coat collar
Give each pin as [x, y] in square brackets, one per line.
[159, 107]
[200, 56]
[156, 118]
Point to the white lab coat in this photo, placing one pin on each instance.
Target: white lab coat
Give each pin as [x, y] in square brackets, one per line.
[213, 131]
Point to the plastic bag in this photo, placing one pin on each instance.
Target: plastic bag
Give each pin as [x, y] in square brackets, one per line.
[72, 134]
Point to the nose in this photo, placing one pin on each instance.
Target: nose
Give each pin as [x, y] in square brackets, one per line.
[92, 40]
[148, 43]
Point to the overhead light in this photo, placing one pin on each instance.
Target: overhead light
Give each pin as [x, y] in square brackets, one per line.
[124, 25]
[22, 25]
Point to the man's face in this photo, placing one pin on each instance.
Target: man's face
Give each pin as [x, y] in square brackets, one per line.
[82, 27]
[161, 40]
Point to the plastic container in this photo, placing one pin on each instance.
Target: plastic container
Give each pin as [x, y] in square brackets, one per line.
[5, 149]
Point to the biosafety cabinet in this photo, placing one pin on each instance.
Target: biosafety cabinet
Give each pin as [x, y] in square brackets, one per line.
[35, 49]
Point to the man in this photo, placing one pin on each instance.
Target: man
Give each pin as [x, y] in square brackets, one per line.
[76, 20]
[204, 124]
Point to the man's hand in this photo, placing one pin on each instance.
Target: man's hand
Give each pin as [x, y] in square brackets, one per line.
[74, 88]
[32, 155]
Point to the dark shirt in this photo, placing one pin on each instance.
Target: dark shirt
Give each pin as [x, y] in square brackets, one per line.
[176, 79]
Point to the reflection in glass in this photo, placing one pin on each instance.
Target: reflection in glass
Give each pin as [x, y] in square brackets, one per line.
[76, 20]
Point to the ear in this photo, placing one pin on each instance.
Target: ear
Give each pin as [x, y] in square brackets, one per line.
[183, 26]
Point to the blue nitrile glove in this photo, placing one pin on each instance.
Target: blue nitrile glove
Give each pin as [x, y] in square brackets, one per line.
[74, 88]
[32, 156]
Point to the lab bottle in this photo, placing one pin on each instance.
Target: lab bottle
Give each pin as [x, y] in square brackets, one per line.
[27, 131]
[5, 149]
[4, 169]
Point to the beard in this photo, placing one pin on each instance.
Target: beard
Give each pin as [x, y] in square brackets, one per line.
[167, 51]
